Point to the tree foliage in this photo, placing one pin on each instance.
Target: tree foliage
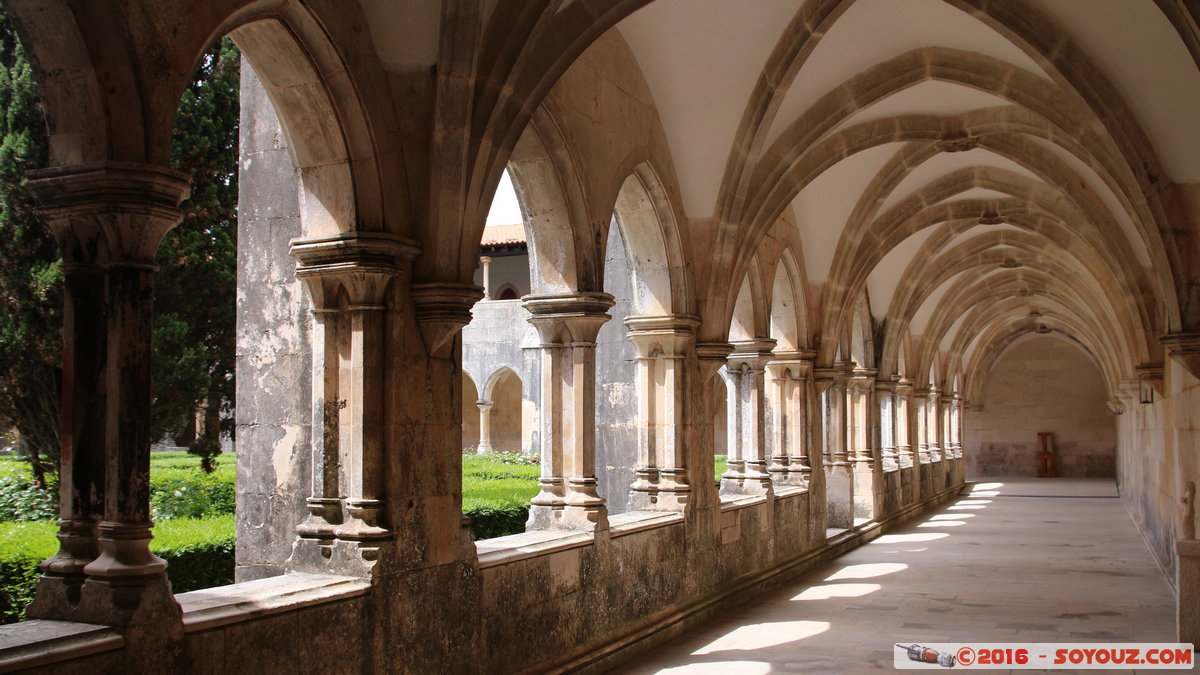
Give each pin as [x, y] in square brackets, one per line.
[31, 298]
[196, 284]
[194, 310]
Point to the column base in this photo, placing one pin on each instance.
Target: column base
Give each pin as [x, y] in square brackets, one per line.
[363, 524]
[324, 517]
[659, 500]
[124, 552]
[745, 484]
[335, 556]
[76, 549]
[567, 518]
[107, 602]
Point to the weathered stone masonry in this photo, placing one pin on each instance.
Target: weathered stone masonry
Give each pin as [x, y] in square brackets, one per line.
[850, 212]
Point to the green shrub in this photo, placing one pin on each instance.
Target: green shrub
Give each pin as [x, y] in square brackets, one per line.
[720, 463]
[496, 519]
[195, 495]
[26, 545]
[22, 500]
[198, 551]
[199, 554]
[496, 493]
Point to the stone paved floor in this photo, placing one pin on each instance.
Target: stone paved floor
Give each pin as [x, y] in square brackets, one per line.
[1017, 560]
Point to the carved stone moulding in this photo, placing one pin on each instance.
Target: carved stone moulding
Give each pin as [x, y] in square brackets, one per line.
[109, 212]
[1184, 348]
[442, 310]
[712, 355]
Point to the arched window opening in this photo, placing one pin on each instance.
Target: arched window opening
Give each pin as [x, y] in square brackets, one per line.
[470, 414]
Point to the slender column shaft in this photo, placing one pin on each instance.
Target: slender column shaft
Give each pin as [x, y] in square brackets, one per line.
[124, 534]
[933, 424]
[486, 262]
[324, 506]
[662, 481]
[922, 416]
[779, 379]
[903, 424]
[862, 412]
[789, 375]
[886, 395]
[485, 427]
[799, 451]
[81, 464]
[748, 439]
[568, 325]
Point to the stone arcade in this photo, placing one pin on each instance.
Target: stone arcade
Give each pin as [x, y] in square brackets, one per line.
[845, 213]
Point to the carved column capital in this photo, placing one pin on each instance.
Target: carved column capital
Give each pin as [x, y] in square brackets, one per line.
[442, 310]
[568, 317]
[110, 213]
[754, 353]
[712, 355]
[362, 264]
[666, 334]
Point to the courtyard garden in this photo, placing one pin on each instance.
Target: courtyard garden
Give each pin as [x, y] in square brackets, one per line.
[193, 513]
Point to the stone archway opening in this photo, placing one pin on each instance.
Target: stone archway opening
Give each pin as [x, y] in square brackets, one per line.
[1042, 384]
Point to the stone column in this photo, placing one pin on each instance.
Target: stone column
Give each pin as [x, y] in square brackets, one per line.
[324, 505]
[789, 374]
[109, 218]
[863, 413]
[956, 411]
[885, 393]
[933, 423]
[801, 456]
[662, 481]
[348, 276]
[486, 261]
[747, 468]
[922, 416]
[860, 399]
[485, 428]
[903, 420]
[838, 470]
[705, 498]
[568, 325]
[778, 378]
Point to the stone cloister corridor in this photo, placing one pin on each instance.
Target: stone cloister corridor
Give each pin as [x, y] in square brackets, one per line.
[900, 243]
[1014, 560]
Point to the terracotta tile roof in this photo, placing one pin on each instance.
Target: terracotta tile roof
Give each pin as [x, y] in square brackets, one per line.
[503, 234]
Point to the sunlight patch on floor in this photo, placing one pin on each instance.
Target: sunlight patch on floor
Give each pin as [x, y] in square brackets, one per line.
[866, 571]
[763, 635]
[828, 591]
[909, 538]
[721, 668]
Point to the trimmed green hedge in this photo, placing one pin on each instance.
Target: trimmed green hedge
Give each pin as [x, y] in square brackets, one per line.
[496, 493]
[199, 554]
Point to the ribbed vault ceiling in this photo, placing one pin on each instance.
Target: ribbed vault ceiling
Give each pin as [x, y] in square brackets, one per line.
[956, 168]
